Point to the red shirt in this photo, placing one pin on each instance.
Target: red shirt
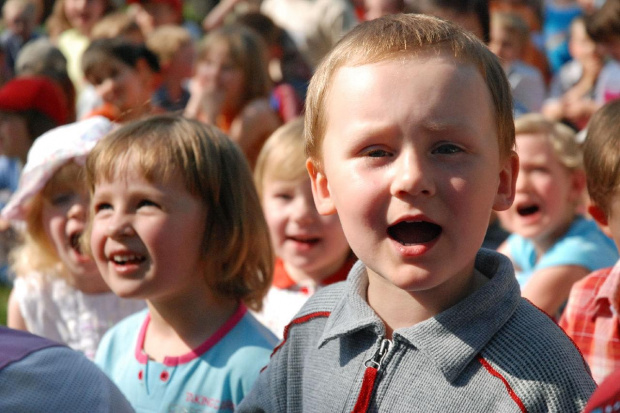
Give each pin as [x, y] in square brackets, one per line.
[591, 320]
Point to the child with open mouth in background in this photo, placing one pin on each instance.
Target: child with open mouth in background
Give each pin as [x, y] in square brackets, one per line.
[58, 292]
[552, 245]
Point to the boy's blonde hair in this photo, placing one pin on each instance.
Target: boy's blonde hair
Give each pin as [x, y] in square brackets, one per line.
[601, 155]
[35, 253]
[166, 40]
[561, 137]
[398, 37]
[282, 157]
[236, 246]
[248, 52]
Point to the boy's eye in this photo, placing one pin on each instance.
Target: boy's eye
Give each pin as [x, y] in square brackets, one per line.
[377, 153]
[447, 149]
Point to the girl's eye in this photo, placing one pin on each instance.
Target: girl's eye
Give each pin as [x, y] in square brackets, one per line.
[447, 149]
[283, 196]
[62, 198]
[146, 203]
[102, 206]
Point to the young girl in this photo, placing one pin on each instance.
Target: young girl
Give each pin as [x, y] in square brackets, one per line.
[552, 245]
[124, 75]
[58, 292]
[231, 86]
[311, 249]
[176, 221]
[69, 26]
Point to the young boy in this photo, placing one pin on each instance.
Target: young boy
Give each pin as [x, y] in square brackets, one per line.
[591, 315]
[175, 50]
[603, 26]
[509, 37]
[552, 246]
[311, 249]
[412, 146]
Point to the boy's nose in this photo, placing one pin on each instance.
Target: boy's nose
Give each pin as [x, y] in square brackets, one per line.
[106, 89]
[410, 177]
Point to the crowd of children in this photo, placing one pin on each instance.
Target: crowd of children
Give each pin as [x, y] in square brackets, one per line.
[247, 206]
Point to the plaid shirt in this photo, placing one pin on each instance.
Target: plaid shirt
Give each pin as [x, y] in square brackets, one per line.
[591, 320]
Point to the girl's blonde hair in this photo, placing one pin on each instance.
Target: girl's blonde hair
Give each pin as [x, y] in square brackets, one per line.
[57, 22]
[282, 157]
[248, 52]
[35, 253]
[236, 246]
[561, 137]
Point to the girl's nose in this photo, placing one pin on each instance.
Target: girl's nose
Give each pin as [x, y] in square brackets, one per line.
[304, 210]
[119, 227]
[78, 211]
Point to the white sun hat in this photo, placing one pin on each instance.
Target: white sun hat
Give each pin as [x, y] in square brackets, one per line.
[48, 153]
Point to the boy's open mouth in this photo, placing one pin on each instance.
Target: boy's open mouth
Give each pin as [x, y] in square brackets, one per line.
[414, 232]
[525, 210]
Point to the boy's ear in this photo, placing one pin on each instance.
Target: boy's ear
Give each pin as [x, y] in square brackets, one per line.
[598, 214]
[320, 189]
[507, 183]
[601, 219]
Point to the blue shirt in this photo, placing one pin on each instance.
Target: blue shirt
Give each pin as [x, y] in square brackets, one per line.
[584, 244]
[212, 378]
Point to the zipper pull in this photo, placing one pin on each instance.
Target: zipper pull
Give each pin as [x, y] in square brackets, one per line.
[373, 365]
[376, 360]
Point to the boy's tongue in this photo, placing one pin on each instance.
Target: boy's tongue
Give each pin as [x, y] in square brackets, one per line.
[418, 232]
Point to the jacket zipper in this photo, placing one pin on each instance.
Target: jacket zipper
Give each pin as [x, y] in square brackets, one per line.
[373, 365]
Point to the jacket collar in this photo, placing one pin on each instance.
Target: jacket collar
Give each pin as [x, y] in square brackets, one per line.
[451, 339]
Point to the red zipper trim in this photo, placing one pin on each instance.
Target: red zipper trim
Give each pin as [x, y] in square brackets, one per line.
[368, 384]
[495, 373]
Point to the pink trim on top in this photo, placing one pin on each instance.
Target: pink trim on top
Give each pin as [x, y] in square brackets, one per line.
[215, 338]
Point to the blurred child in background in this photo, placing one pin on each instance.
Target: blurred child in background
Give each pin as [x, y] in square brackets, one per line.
[571, 93]
[591, 315]
[603, 26]
[231, 88]
[509, 35]
[176, 221]
[69, 27]
[553, 245]
[124, 75]
[174, 48]
[311, 249]
[19, 18]
[59, 293]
